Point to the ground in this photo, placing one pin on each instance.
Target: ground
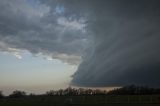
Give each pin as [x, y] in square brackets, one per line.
[83, 100]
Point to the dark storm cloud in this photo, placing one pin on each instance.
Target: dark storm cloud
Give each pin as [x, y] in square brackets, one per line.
[126, 49]
[119, 46]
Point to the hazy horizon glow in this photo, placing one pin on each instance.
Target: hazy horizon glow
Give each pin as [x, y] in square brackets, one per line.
[33, 73]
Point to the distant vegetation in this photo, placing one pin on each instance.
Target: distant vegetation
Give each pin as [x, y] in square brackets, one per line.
[1, 95]
[135, 90]
[139, 96]
[17, 94]
[127, 90]
[73, 91]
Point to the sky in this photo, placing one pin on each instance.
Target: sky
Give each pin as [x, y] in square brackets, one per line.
[52, 44]
[33, 74]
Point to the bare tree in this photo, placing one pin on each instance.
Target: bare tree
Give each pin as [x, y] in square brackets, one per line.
[17, 94]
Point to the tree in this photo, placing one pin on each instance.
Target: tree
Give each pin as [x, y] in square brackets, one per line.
[17, 94]
[134, 90]
[1, 95]
[51, 93]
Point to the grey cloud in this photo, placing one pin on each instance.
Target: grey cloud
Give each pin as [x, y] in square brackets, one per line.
[38, 29]
[126, 48]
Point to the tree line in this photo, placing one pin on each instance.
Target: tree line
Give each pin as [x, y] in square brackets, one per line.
[127, 90]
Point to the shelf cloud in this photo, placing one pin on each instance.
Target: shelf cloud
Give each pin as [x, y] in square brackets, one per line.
[126, 43]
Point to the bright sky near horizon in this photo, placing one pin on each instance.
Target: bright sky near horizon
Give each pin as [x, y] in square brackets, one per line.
[46, 69]
[33, 73]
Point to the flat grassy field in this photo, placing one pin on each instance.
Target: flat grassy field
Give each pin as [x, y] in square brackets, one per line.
[84, 100]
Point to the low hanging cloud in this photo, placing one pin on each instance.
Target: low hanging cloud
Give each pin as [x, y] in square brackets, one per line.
[116, 41]
[126, 43]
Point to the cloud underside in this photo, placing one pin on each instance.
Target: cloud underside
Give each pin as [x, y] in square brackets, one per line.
[40, 29]
[117, 42]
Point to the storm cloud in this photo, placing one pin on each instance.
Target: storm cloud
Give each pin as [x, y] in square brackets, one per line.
[126, 44]
[116, 40]
[35, 27]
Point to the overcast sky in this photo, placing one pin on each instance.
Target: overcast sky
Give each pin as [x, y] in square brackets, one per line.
[47, 44]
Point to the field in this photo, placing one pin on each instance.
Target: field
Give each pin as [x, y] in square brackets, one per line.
[94, 100]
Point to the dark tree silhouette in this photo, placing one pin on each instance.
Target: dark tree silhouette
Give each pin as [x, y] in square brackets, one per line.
[17, 94]
[1, 95]
[127, 90]
[73, 91]
[51, 93]
[134, 90]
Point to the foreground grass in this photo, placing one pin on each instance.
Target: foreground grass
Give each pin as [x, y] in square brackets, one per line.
[99, 100]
